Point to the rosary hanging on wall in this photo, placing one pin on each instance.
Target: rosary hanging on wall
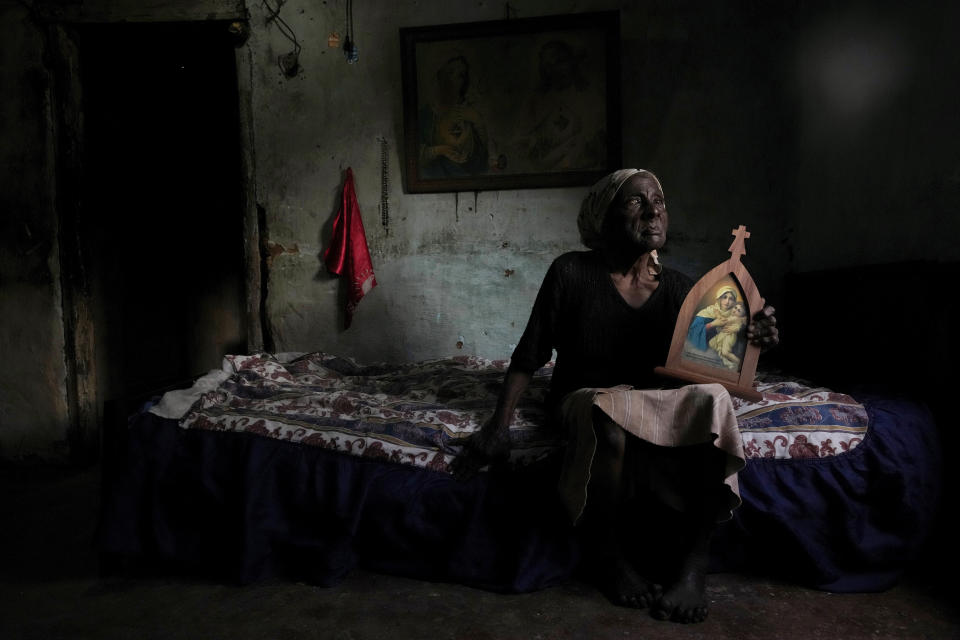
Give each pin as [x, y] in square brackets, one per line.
[384, 185]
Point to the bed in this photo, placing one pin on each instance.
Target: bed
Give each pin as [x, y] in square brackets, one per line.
[306, 466]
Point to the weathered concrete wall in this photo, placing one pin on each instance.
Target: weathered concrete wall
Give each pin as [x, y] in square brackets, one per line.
[466, 266]
[33, 405]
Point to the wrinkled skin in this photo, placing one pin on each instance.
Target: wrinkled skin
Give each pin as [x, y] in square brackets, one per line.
[490, 445]
[762, 330]
[637, 220]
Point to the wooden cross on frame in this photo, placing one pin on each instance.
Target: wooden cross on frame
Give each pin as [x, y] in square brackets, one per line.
[738, 248]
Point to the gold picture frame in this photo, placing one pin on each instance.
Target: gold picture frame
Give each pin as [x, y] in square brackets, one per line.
[511, 104]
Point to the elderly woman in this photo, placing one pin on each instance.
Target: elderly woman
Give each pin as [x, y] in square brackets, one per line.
[659, 464]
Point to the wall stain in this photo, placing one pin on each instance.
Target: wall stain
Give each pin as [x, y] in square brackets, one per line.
[275, 249]
[508, 272]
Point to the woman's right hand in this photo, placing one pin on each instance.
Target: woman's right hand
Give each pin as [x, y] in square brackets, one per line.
[489, 445]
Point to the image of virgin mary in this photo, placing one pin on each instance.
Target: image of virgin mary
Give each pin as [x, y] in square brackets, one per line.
[698, 334]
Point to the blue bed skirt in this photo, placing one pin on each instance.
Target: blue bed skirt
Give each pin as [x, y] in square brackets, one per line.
[245, 508]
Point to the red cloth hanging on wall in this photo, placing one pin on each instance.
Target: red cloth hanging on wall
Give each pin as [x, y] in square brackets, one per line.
[348, 254]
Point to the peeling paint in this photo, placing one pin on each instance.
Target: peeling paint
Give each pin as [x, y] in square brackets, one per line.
[275, 249]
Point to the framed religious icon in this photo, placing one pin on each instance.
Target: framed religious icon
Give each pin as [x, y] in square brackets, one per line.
[511, 104]
[710, 340]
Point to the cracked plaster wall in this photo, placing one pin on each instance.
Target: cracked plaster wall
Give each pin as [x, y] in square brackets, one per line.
[468, 265]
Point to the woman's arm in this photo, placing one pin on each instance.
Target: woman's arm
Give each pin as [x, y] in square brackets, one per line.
[492, 442]
[514, 385]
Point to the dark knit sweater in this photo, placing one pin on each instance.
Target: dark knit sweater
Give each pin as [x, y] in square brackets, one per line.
[600, 340]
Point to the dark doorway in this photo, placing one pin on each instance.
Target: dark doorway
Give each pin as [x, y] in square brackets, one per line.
[161, 227]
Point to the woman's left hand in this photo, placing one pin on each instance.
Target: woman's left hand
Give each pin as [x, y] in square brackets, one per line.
[762, 330]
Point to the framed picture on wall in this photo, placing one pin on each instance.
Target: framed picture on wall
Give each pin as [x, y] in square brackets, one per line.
[511, 104]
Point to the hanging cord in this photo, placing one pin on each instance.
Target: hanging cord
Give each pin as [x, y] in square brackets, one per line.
[384, 185]
[289, 63]
[350, 50]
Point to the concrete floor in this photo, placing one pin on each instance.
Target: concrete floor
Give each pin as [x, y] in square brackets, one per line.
[50, 588]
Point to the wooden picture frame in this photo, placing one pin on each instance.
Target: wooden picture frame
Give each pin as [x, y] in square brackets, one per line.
[511, 104]
[709, 341]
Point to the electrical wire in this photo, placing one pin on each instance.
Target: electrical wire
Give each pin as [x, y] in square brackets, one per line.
[350, 50]
[287, 31]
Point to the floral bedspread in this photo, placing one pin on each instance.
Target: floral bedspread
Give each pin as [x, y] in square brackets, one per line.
[797, 421]
[415, 413]
[407, 413]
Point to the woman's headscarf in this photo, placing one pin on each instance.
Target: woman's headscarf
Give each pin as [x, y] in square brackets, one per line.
[594, 208]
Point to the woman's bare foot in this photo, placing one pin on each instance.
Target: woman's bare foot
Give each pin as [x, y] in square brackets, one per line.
[624, 587]
[684, 601]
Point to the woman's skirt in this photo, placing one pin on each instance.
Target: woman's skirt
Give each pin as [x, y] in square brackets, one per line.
[682, 421]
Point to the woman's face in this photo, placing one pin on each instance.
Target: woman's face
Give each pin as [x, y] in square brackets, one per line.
[638, 214]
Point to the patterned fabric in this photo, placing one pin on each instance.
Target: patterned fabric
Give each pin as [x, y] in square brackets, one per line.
[409, 414]
[797, 421]
[414, 413]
